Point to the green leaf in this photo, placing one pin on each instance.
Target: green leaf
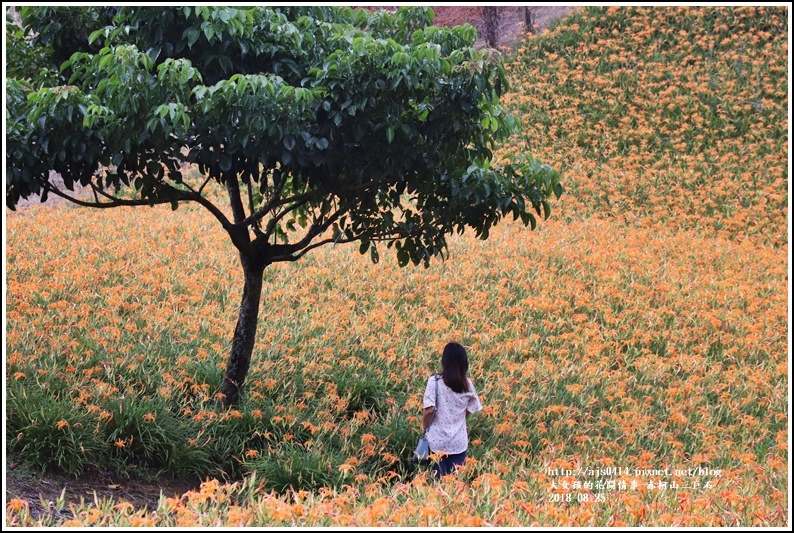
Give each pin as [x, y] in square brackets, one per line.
[94, 35]
[242, 83]
[209, 31]
[106, 61]
[557, 190]
[192, 35]
[403, 257]
[390, 134]
[153, 52]
[546, 209]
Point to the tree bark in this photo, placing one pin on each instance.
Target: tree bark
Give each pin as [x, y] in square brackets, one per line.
[529, 19]
[491, 24]
[245, 331]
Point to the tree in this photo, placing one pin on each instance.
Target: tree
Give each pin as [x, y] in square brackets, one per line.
[318, 124]
[530, 19]
[491, 17]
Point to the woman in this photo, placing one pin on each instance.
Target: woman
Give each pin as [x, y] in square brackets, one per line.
[445, 423]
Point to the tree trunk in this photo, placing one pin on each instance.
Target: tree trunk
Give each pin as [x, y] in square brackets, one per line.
[529, 19]
[245, 331]
[491, 25]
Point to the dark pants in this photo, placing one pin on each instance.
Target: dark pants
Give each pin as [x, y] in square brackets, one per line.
[447, 464]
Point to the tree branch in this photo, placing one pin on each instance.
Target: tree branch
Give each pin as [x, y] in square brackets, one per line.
[233, 232]
[206, 181]
[301, 199]
[313, 231]
[115, 202]
[183, 196]
[271, 226]
[378, 238]
[236, 202]
[187, 186]
[255, 225]
[275, 202]
[278, 188]
[283, 252]
[212, 208]
[295, 257]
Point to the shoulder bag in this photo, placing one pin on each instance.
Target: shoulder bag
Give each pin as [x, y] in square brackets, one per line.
[422, 451]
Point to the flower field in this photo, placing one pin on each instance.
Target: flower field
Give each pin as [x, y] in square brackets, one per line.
[631, 354]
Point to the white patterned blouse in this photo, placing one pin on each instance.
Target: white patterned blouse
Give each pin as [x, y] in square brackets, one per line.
[447, 432]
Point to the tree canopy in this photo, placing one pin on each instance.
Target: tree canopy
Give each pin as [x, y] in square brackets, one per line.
[328, 115]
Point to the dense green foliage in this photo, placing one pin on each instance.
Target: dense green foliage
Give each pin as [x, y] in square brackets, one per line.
[376, 124]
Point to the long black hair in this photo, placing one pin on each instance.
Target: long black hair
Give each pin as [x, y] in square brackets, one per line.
[455, 364]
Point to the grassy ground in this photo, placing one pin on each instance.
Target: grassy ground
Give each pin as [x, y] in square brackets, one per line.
[643, 327]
